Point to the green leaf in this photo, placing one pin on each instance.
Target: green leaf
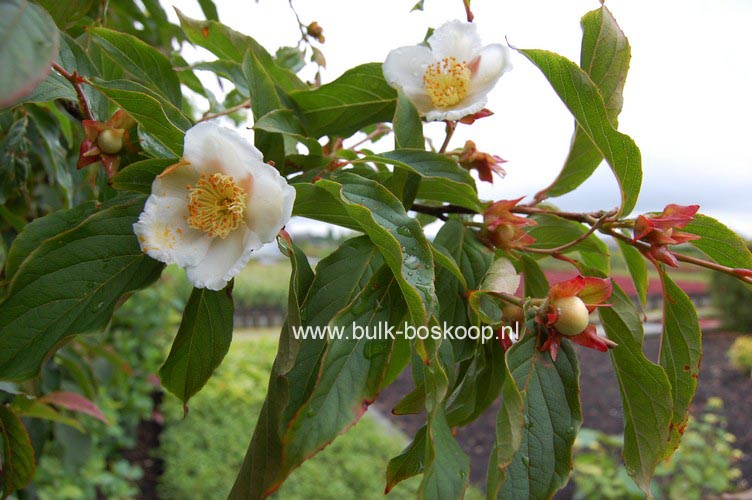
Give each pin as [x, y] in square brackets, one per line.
[142, 61]
[162, 120]
[262, 461]
[72, 57]
[291, 58]
[443, 258]
[442, 179]
[29, 42]
[51, 88]
[139, 176]
[408, 127]
[230, 45]
[67, 13]
[68, 280]
[409, 463]
[339, 278]
[398, 236]
[638, 269]
[473, 259]
[584, 101]
[644, 387]
[230, 70]
[264, 99]
[447, 466]
[681, 352]
[209, 9]
[201, 344]
[509, 428]
[18, 455]
[479, 385]
[411, 404]
[315, 203]
[536, 283]
[352, 370]
[551, 396]
[284, 121]
[719, 242]
[552, 232]
[358, 98]
[605, 56]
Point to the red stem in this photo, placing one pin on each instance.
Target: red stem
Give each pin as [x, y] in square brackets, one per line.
[75, 79]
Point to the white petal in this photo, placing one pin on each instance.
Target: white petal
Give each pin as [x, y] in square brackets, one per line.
[457, 39]
[404, 67]
[468, 106]
[269, 202]
[163, 232]
[224, 260]
[176, 181]
[420, 99]
[494, 62]
[212, 148]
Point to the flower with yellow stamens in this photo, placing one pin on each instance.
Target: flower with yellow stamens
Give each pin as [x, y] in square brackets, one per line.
[451, 77]
[210, 211]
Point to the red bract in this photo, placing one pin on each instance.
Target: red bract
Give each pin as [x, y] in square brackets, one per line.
[503, 228]
[486, 164]
[470, 119]
[663, 230]
[592, 292]
[104, 141]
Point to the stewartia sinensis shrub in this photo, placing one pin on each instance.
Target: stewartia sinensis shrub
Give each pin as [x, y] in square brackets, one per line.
[110, 172]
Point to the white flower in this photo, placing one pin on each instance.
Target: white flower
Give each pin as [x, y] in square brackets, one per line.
[209, 212]
[452, 78]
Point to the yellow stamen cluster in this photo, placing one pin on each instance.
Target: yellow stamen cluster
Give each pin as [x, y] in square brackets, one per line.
[216, 205]
[447, 82]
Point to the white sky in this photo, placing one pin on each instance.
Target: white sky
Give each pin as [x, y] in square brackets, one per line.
[687, 101]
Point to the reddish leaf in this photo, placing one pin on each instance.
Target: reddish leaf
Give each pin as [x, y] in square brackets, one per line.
[596, 291]
[74, 402]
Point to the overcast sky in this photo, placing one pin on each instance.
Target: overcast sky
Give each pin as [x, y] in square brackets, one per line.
[687, 101]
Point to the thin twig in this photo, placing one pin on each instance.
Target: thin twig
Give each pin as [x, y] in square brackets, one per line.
[451, 126]
[380, 130]
[75, 79]
[509, 298]
[580, 239]
[210, 116]
[468, 12]
[303, 28]
[600, 221]
[714, 266]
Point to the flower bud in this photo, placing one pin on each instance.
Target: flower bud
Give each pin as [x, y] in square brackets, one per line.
[502, 236]
[572, 315]
[316, 31]
[110, 141]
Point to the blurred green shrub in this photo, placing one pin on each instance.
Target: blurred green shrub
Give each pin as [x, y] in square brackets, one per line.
[262, 285]
[740, 353]
[115, 370]
[733, 299]
[702, 467]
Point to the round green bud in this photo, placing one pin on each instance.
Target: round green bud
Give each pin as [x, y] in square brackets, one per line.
[110, 141]
[573, 316]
